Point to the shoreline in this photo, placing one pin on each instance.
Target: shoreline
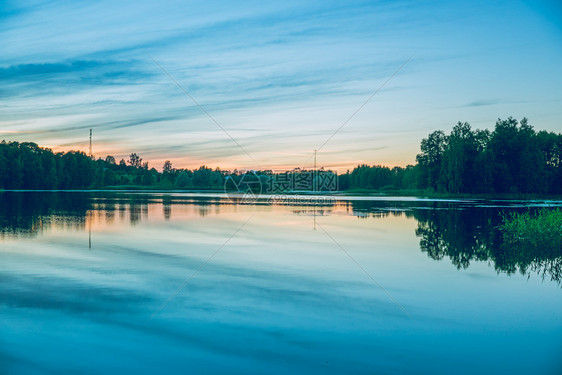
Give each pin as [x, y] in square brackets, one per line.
[414, 193]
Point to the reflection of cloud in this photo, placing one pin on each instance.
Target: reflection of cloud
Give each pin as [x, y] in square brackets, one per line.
[63, 294]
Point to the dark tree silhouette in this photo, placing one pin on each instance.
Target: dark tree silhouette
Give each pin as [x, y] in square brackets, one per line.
[167, 167]
[135, 161]
[513, 158]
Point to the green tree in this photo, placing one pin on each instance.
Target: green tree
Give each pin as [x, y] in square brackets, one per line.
[15, 172]
[432, 149]
[109, 178]
[167, 167]
[458, 159]
[135, 161]
[147, 178]
[183, 180]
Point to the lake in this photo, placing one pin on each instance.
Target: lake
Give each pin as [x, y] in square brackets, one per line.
[99, 282]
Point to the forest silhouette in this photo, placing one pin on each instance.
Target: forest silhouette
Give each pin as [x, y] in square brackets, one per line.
[513, 158]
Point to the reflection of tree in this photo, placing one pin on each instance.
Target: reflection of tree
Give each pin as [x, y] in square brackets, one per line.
[462, 233]
[32, 212]
[461, 236]
[471, 234]
[167, 205]
[466, 234]
[380, 209]
[545, 261]
[109, 209]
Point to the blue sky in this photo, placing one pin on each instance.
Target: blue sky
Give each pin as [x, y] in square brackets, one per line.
[279, 77]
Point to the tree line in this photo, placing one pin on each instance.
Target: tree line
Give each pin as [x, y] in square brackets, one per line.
[25, 165]
[513, 158]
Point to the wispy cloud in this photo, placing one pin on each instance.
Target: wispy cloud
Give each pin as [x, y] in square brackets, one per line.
[483, 102]
[287, 70]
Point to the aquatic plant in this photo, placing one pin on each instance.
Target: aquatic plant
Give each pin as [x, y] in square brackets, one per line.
[542, 229]
[534, 240]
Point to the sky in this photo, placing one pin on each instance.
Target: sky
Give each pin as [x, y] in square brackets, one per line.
[260, 85]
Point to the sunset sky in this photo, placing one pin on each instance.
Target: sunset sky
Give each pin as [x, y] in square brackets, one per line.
[280, 78]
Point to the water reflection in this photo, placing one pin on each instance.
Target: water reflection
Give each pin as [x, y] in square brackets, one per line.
[27, 214]
[463, 232]
[471, 234]
[279, 297]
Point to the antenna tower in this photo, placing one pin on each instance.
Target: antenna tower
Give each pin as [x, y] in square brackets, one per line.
[314, 173]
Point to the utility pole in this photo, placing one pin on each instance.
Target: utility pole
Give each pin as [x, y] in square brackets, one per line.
[90, 231]
[315, 217]
[91, 156]
[314, 185]
[314, 173]
[315, 159]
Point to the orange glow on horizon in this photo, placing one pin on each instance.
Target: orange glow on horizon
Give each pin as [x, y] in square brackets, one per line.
[101, 150]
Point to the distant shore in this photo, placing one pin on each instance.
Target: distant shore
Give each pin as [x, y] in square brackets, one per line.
[418, 193]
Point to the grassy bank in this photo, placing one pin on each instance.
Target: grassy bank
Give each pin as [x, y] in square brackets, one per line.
[542, 229]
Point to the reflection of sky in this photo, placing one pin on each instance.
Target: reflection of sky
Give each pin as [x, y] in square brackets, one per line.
[281, 77]
[280, 297]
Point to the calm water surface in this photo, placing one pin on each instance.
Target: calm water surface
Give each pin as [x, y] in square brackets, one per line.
[177, 283]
